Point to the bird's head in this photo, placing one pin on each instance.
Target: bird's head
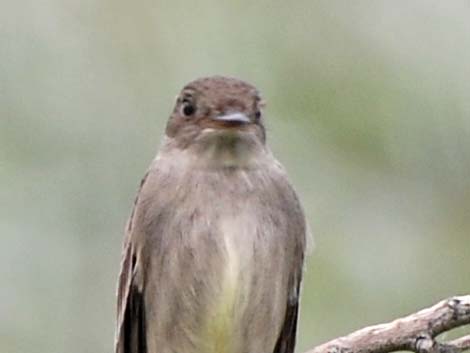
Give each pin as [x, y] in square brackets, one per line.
[217, 111]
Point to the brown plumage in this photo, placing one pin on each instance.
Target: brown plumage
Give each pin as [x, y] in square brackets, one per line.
[214, 248]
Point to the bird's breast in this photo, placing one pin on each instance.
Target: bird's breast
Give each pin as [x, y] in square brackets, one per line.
[222, 329]
[223, 261]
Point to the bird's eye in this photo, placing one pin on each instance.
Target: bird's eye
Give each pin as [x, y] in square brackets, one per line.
[258, 114]
[188, 108]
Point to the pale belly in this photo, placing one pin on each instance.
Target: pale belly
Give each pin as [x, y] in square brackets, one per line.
[234, 293]
[247, 303]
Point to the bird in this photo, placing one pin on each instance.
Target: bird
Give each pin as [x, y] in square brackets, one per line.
[214, 248]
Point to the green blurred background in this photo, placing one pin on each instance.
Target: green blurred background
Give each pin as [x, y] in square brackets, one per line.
[368, 109]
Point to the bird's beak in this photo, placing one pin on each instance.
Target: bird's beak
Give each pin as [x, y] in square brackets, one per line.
[234, 118]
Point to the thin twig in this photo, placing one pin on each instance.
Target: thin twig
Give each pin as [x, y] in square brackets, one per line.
[416, 332]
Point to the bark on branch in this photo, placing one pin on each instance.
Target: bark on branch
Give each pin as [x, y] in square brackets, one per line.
[416, 332]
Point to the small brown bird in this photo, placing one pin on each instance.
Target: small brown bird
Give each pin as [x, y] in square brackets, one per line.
[214, 247]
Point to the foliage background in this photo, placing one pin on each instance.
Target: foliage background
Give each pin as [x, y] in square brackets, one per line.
[368, 109]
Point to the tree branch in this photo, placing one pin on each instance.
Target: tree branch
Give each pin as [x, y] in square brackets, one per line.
[416, 332]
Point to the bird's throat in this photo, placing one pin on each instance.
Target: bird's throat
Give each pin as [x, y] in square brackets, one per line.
[228, 149]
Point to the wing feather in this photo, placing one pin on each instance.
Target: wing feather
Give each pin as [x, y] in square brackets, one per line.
[286, 340]
[131, 323]
[298, 235]
[131, 330]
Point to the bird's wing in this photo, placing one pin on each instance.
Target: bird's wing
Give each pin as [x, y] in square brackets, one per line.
[131, 330]
[286, 340]
[298, 239]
